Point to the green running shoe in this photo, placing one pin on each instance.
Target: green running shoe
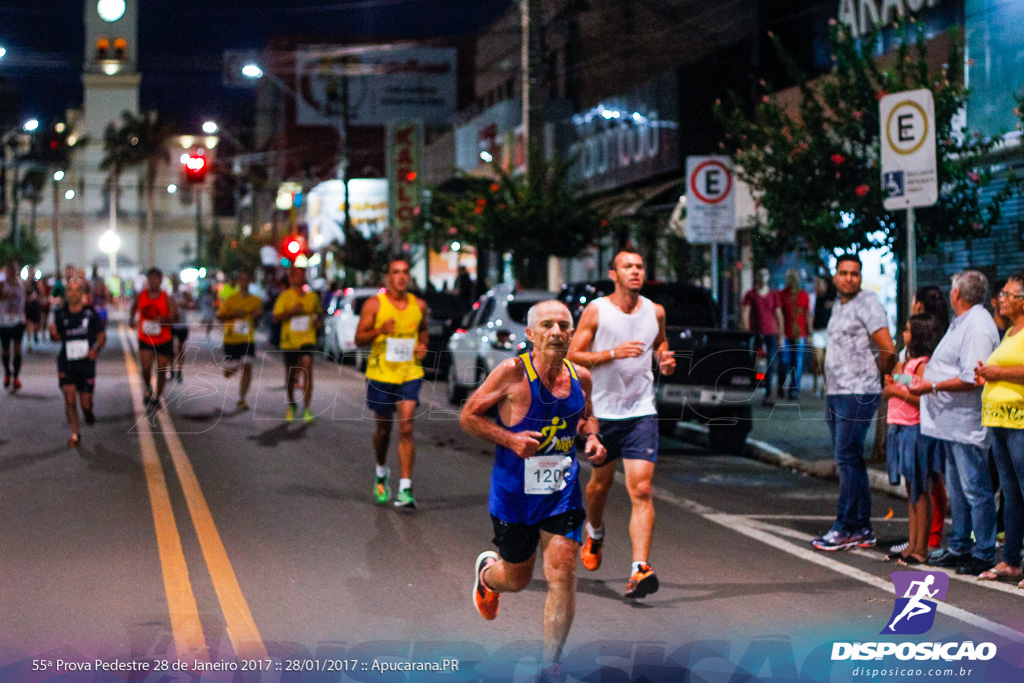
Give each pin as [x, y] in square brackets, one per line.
[382, 488]
[307, 416]
[405, 500]
[289, 414]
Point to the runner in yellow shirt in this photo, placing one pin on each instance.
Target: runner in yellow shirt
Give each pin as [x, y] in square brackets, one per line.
[299, 311]
[395, 323]
[239, 313]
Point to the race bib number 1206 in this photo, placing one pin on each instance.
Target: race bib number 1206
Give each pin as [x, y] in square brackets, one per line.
[545, 474]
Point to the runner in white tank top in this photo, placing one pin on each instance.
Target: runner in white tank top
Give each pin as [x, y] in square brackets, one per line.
[618, 338]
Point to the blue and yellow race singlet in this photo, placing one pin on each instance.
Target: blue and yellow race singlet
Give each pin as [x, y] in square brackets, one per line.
[547, 484]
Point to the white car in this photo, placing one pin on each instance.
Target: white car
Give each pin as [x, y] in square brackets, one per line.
[341, 322]
[494, 330]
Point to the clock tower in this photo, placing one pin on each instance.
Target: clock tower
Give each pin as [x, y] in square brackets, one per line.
[111, 76]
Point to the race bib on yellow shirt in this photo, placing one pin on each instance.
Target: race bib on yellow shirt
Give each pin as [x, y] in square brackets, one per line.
[300, 323]
[399, 350]
[242, 327]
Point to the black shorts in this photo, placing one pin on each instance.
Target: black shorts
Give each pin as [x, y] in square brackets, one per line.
[180, 333]
[12, 334]
[80, 374]
[518, 542]
[293, 357]
[165, 350]
[239, 351]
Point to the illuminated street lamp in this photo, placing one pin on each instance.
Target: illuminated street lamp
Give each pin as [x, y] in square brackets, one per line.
[109, 244]
[252, 71]
[210, 127]
[31, 125]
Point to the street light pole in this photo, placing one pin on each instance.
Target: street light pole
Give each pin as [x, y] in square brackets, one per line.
[56, 222]
[346, 226]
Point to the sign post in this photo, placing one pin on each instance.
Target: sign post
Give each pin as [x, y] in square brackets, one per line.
[909, 167]
[710, 208]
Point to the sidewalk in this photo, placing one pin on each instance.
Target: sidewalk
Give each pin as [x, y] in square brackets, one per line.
[794, 434]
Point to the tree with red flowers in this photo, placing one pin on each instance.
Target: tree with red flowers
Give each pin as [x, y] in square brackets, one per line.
[816, 172]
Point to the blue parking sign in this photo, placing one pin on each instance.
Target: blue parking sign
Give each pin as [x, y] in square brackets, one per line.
[894, 183]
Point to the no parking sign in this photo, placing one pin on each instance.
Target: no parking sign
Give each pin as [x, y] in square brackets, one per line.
[710, 206]
[909, 167]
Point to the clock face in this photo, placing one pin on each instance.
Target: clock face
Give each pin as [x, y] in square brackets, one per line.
[110, 10]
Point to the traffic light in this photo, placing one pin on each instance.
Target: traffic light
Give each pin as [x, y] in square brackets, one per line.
[196, 167]
[293, 246]
[50, 147]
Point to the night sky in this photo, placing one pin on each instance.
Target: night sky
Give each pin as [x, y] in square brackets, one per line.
[181, 44]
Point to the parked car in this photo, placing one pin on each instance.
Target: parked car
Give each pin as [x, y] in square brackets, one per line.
[446, 313]
[494, 330]
[715, 378]
[341, 322]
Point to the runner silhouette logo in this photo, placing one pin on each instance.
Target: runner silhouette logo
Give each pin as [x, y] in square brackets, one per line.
[917, 594]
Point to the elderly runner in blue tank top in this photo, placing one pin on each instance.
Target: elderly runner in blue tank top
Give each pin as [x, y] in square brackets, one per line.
[618, 337]
[544, 414]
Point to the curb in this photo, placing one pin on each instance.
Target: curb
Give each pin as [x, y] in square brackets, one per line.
[824, 469]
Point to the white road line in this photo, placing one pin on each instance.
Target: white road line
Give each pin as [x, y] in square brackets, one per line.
[746, 528]
[819, 518]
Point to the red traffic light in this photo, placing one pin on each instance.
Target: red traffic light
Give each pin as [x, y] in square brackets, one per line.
[292, 247]
[195, 168]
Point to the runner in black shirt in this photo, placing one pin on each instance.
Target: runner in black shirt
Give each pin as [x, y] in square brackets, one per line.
[82, 334]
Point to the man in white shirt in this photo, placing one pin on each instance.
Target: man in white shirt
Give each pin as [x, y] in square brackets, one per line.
[951, 414]
[616, 339]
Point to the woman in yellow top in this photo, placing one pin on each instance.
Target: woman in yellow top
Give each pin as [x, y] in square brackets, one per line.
[299, 312]
[394, 323]
[239, 312]
[1002, 411]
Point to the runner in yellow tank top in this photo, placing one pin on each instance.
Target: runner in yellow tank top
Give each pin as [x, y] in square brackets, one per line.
[394, 324]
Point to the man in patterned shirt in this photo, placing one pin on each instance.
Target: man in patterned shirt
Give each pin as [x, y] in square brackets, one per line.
[860, 351]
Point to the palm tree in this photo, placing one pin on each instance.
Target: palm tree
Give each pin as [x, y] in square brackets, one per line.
[141, 140]
[117, 147]
[149, 136]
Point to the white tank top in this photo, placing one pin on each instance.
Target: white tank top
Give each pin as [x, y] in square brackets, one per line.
[624, 387]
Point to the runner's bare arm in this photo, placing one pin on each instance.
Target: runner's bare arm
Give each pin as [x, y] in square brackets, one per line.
[496, 388]
[365, 331]
[133, 311]
[665, 359]
[421, 347]
[583, 337]
[588, 426]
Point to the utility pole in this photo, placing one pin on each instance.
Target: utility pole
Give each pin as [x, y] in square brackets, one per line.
[533, 107]
[198, 189]
[346, 159]
[56, 224]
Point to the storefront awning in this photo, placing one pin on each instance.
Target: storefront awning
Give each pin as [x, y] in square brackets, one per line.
[645, 200]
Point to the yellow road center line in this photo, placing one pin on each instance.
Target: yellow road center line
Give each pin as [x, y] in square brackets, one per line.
[245, 637]
[186, 627]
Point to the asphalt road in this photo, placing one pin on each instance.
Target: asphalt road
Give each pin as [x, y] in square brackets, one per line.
[201, 533]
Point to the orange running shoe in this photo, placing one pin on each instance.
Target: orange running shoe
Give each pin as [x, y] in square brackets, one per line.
[590, 551]
[484, 599]
[643, 582]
